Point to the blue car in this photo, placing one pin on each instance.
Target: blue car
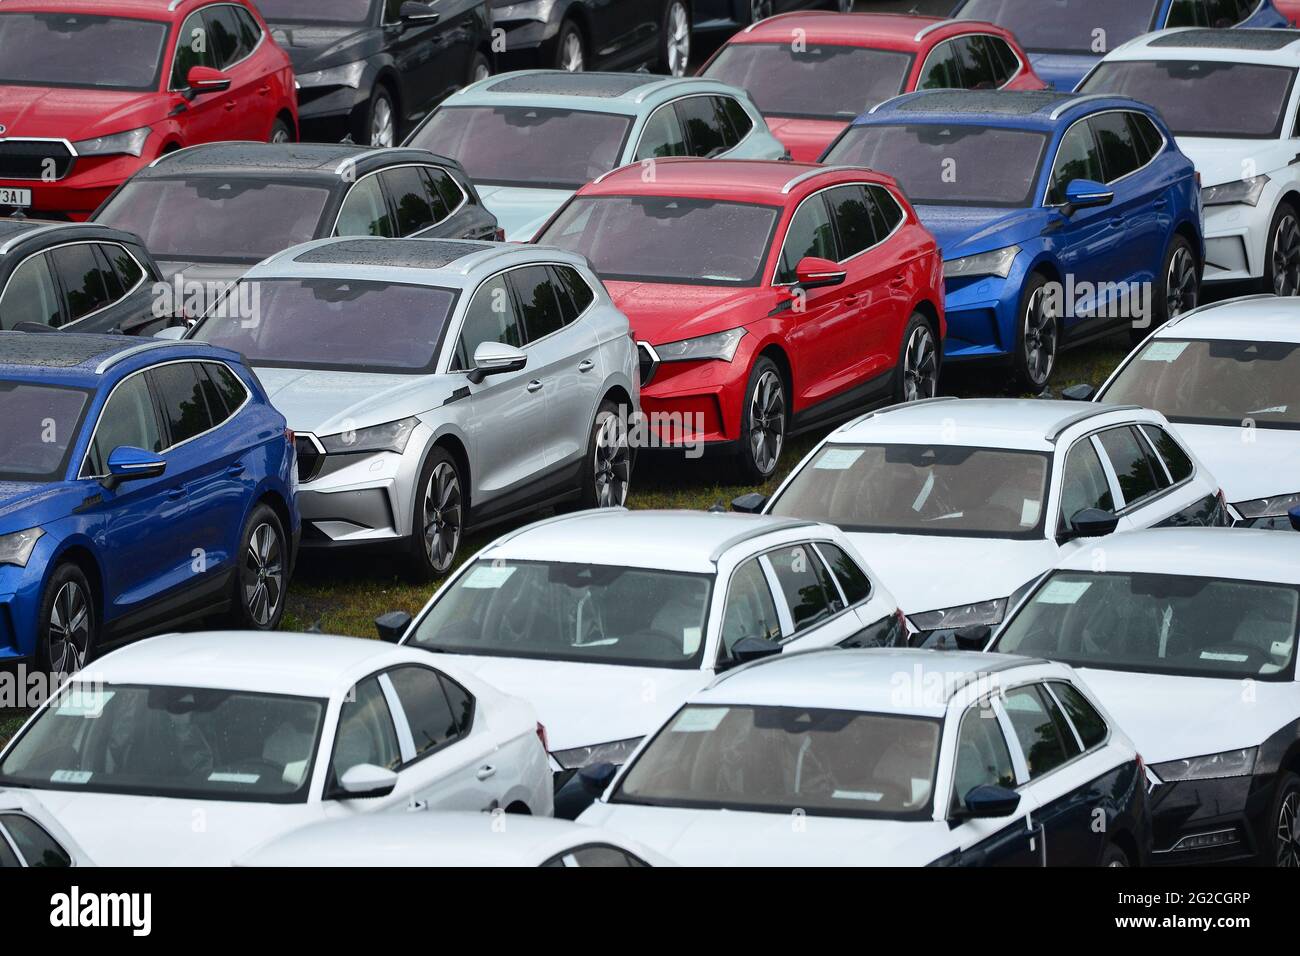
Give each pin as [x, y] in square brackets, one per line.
[1061, 218]
[142, 485]
[1067, 38]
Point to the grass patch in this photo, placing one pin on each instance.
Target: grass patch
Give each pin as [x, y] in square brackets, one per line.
[9, 725]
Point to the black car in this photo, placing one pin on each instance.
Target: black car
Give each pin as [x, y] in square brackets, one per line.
[730, 15]
[212, 211]
[594, 34]
[370, 69]
[82, 277]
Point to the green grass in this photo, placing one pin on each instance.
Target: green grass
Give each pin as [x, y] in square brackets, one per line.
[9, 726]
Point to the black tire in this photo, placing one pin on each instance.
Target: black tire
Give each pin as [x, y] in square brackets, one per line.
[607, 471]
[1179, 288]
[570, 48]
[1284, 824]
[762, 439]
[916, 377]
[675, 38]
[438, 519]
[281, 132]
[479, 68]
[1115, 856]
[1282, 259]
[68, 600]
[760, 10]
[1038, 338]
[381, 104]
[261, 573]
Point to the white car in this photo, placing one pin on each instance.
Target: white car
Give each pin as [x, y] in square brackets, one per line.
[961, 504]
[886, 757]
[1228, 377]
[451, 839]
[1233, 103]
[31, 837]
[607, 620]
[1188, 636]
[192, 749]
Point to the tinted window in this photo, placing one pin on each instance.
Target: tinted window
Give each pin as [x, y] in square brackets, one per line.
[662, 136]
[1186, 13]
[537, 302]
[51, 47]
[411, 197]
[364, 212]
[37, 847]
[853, 221]
[887, 207]
[183, 404]
[427, 710]
[249, 29]
[224, 34]
[490, 317]
[1040, 730]
[128, 419]
[1084, 717]
[1005, 61]
[7, 857]
[579, 292]
[977, 68]
[888, 631]
[460, 702]
[852, 579]
[445, 188]
[750, 612]
[1152, 139]
[194, 47]
[1176, 460]
[129, 271]
[229, 387]
[1083, 483]
[1119, 151]
[1129, 458]
[112, 284]
[810, 234]
[83, 280]
[366, 733]
[704, 132]
[1077, 158]
[808, 591]
[983, 758]
[942, 68]
[735, 114]
[31, 295]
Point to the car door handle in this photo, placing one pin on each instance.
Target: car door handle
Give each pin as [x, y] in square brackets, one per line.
[534, 386]
[898, 282]
[230, 105]
[485, 771]
[264, 91]
[175, 494]
[235, 471]
[1161, 203]
[586, 365]
[1117, 220]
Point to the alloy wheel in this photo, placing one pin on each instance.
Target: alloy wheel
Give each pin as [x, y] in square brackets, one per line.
[1180, 284]
[679, 39]
[1288, 831]
[920, 366]
[263, 575]
[381, 123]
[481, 72]
[571, 53]
[767, 421]
[1286, 257]
[442, 516]
[612, 462]
[69, 629]
[279, 134]
[1040, 338]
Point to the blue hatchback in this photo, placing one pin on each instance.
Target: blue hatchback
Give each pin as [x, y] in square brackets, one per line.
[142, 485]
[1061, 218]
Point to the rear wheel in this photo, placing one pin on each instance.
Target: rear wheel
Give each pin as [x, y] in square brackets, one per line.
[1286, 821]
[479, 68]
[763, 422]
[262, 573]
[439, 519]
[608, 472]
[1038, 335]
[675, 39]
[281, 132]
[1182, 287]
[1282, 263]
[570, 53]
[66, 636]
[917, 373]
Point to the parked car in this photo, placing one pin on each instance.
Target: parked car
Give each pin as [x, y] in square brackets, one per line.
[1062, 219]
[1289, 9]
[256, 735]
[714, 16]
[1067, 42]
[572, 617]
[143, 485]
[82, 277]
[844, 64]
[1243, 143]
[31, 837]
[578, 35]
[1189, 638]
[451, 839]
[530, 139]
[887, 758]
[92, 91]
[767, 297]
[367, 70]
[1228, 377]
[211, 212]
[437, 386]
[962, 504]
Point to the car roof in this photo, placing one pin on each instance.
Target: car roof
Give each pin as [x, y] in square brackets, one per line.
[689, 541]
[893, 31]
[622, 93]
[1262, 318]
[78, 359]
[1271, 47]
[766, 181]
[15, 233]
[1031, 109]
[1235, 553]
[302, 160]
[144, 9]
[866, 679]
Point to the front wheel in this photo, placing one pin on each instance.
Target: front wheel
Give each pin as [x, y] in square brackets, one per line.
[675, 39]
[1038, 337]
[262, 573]
[570, 54]
[479, 68]
[1286, 821]
[917, 373]
[1182, 288]
[763, 423]
[66, 633]
[1115, 856]
[378, 127]
[608, 472]
[439, 519]
[1282, 261]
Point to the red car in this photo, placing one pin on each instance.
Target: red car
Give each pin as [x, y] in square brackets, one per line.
[766, 297]
[93, 90]
[1289, 9]
[811, 74]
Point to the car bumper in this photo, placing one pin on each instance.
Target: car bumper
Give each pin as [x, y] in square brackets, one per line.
[1210, 821]
[1236, 239]
[80, 192]
[529, 44]
[981, 317]
[328, 115]
[694, 404]
[20, 602]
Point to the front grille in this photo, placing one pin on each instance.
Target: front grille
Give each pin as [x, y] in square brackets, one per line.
[647, 361]
[310, 458]
[35, 159]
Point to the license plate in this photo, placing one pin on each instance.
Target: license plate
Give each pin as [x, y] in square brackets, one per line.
[15, 197]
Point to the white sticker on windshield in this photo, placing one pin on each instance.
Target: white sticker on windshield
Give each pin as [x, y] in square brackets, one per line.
[700, 720]
[1227, 658]
[691, 639]
[1063, 592]
[838, 459]
[1029, 512]
[294, 771]
[246, 778]
[1164, 351]
[80, 701]
[866, 795]
[1275, 410]
[487, 578]
[71, 776]
[924, 496]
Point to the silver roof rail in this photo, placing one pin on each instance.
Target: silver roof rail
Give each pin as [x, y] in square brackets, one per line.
[133, 351]
[1086, 97]
[1060, 428]
[768, 527]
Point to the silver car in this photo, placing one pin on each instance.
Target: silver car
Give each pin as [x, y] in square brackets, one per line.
[436, 385]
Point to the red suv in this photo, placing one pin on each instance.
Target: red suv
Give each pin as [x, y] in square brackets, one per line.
[811, 74]
[766, 297]
[93, 90]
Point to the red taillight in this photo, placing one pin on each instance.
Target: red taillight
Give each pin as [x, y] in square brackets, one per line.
[1142, 765]
[289, 436]
[541, 735]
[501, 234]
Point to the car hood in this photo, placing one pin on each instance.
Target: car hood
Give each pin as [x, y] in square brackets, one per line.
[16, 497]
[1062, 71]
[75, 114]
[743, 838]
[1221, 161]
[1170, 718]
[522, 211]
[806, 139]
[1265, 465]
[585, 704]
[662, 312]
[313, 47]
[967, 231]
[327, 402]
[926, 573]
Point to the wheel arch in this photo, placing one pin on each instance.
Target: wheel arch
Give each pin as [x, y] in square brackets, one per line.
[80, 554]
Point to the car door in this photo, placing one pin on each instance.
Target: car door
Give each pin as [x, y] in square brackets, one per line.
[1086, 484]
[811, 232]
[31, 296]
[253, 111]
[1082, 237]
[365, 211]
[941, 69]
[206, 116]
[416, 206]
[661, 135]
[80, 274]
[421, 50]
[854, 335]
[1148, 495]
[810, 603]
[366, 734]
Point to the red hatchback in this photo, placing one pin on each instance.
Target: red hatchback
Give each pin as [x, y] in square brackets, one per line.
[766, 297]
[811, 74]
[93, 90]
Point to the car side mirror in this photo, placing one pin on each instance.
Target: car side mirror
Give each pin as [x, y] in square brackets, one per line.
[750, 649]
[204, 79]
[596, 777]
[126, 463]
[750, 504]
[1294, 515]
[1079, 393]
[989, 801]
[972, 638]
[1094, 523]
[364, 781]
[412, 12]
[496, 358]
[1086, 194]
[392, 626]
[815, 273]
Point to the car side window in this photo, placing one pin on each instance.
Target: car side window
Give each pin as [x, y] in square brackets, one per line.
[129, 271]
[366, 734]
[983, 758]
[194, 47]
[750, 610]
[853, 581]
[445, 187]
[884, 210]
[1227, 13]
[38, 848]
[8, 859]
[811, 233]
[83, 279]
[1087, 722]
[31, 295]
[224, 34]
[1005, 62]
[1175, 458]
[250, 31]
[426, 707]
[853, 221]
[977, 69]
[538, 304]
[364, 211]
[942, 69]
[578, 292]
[393, 11]
[888, 631]
[490, 317]
[1119, 149]
[129, 418]
[230, 391]
[1151, 138]
[180, 396]
[1076, 158]
[1186, 13]
[663, 135]
[418, 206]
[1040, 727]
[736, 115]
[1083, 483]
[806, 585]
[705, 135]
[1132, 464]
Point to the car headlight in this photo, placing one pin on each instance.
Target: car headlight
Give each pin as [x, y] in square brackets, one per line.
[130, 143]
[997, 263]
[964, 615]
[393, 436]
[1230, 763]
[615, 753]
[721, 346]
[1245, 191]
[17, 548]
[1273, 507]
[349, 74]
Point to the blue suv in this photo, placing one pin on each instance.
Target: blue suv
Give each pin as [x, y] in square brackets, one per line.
[1061, 218]
[142, 485]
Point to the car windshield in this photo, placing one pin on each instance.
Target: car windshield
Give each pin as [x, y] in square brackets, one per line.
[1161, 623]
[214, 219]
[1204, 98]
[526, 146]
[80, 51]
[942, 165]
[41, 425]
[593, 614]
[666, 238]
[315, 11]
[1088, 27]
[787, 79]
[1237, 384]
[333, 324]
[921, 489]
[164, 741]
[781, 759]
